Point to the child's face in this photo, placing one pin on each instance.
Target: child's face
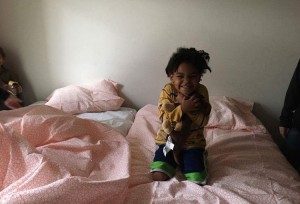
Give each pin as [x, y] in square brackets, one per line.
[2, 60]
[186, 79]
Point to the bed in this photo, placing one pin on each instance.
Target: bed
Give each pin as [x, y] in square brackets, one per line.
[244, 164]
[83, 146]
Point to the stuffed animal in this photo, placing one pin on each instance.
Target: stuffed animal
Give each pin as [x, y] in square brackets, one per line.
[168, 125]
[177, 140]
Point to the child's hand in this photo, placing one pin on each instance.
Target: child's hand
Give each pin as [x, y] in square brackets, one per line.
[180, 97]
[13, 102]
[195, 103]
[192, 103]
[283, 131]
[203, 106]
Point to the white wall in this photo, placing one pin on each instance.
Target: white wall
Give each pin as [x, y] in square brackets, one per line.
[254, 45]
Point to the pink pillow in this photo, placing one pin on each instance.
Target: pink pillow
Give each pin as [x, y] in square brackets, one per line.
[231, 113]
[93, 97]
[106, 86]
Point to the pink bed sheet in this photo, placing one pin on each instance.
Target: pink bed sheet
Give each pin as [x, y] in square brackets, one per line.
[245, 166]
[47, 156]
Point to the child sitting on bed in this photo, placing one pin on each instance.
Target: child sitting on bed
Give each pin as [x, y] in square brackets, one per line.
[183, 109]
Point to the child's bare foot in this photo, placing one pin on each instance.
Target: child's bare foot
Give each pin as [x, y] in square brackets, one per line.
[159, 176]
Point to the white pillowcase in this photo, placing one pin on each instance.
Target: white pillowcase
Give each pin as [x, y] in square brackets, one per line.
[93, 97]
[120, 120]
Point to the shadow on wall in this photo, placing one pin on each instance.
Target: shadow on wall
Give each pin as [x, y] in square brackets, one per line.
[25, 35]
[128, 102]
[270, 121]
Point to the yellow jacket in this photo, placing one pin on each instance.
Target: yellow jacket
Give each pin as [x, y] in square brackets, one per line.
[199, 120]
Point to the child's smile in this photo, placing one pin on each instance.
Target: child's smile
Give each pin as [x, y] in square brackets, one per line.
[186, 79]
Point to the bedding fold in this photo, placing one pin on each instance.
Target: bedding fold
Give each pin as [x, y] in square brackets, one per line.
[49, 156]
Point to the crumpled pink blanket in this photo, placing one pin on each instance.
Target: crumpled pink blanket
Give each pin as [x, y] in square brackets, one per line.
[48, 156]
[245, 166]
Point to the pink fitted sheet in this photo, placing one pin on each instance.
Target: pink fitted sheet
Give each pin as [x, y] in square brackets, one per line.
[245, 166]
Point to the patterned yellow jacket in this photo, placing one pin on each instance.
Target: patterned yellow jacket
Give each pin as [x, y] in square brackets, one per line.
[199, 120]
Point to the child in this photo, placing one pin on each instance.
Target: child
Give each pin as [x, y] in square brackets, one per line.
[183, 109]
[8, 81]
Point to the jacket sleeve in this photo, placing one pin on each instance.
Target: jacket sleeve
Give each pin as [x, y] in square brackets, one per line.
[3, 94]
[165, 97]
[292, 99]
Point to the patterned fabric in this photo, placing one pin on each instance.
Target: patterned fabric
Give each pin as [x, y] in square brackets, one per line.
[48, 156]
[168, 96]
[245, 166]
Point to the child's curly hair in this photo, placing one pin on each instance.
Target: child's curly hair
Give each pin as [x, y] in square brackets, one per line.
[189, 55]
